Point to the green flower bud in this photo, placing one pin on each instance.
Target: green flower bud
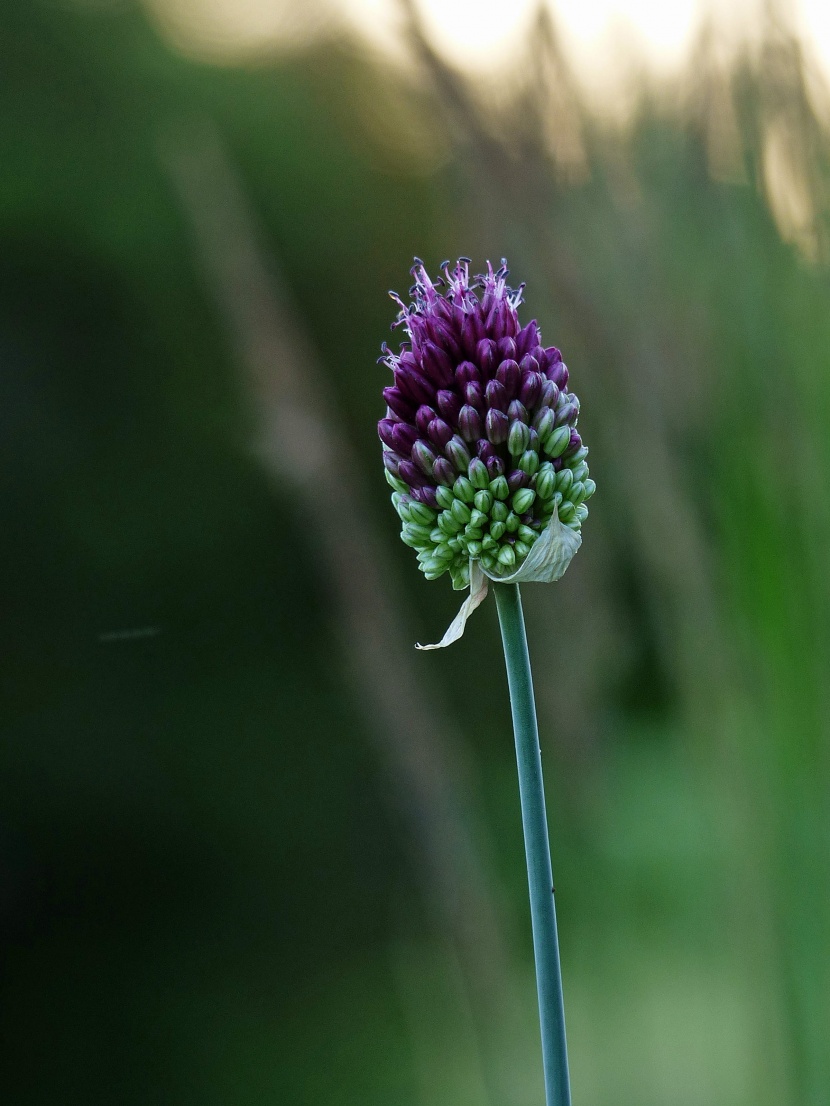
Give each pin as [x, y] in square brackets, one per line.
[523, 500]
[434, 573]
[497, 530]
[580, 471]
[394, 483]
[464, 489]
[526, 534]
[460, 512]
[506, 556]
[478, 519]
[590, 488]
[414, 541]
[521, 549]
[419, 512]
[567, 511]
[489, 562]
[474, 548]
[484, 501]
[479, 477]
[489, 543]
[580, 455]
[577, 493]
[518, 438]
[499, 512]
[499, 487]
[448, 524]
[455, 545]
[444, 496]
[529, 462]
[557, 442]
[545, 483]
[543, 422]
[513, 523]
[460, 576]
[564, 482]
[581, 513]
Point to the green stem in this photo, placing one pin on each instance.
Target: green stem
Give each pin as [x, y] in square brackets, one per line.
[537, 847]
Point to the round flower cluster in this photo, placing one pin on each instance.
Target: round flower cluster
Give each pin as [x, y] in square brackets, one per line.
[480, 439]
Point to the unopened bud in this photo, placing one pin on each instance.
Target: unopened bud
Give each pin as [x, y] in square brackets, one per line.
[499, 488]
[445, 497]
[506, 556]
[518, 438]
[529, 462]
[478, 475]
[464, 489]
[545, 484]
[557, 442]
[484, 501]
[523, 500]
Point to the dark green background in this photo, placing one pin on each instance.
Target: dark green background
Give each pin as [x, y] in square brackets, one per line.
[212, 888]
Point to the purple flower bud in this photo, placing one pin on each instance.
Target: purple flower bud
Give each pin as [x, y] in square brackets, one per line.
[567, 414]
[443, 472]
[386, 431]
[391, 462]
[474, 395]
[517, 479]
[469, 423]
[449, 404]
[457, 452]
[527, 338]
[472, 331]
[426, 495]
[495, 467]
[507, 350]
[529, 364]
[496, 396]
[469, 382]
[549, 395]
[558, 373]
[399, 404]
[531, 388]
[423, 418]
[439, 433]
[497, 424]
[466, 373]
[509, 375]
[445, 338]
[437, 365]
[424, 457]
[487, 356]
[404, 437]
[412, 475]
[414, 387]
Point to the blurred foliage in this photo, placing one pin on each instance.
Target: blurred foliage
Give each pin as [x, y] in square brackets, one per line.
[207, 894]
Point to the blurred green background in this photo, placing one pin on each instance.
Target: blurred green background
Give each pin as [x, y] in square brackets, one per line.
[253, 847]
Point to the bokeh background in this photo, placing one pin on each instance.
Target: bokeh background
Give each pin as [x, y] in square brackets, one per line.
[253, 847]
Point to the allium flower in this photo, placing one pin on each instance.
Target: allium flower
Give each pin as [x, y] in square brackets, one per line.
[480, 440]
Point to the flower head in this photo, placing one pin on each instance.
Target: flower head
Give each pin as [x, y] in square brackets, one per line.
[480, 440]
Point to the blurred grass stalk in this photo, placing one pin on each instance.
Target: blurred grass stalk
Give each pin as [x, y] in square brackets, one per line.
[537, 846]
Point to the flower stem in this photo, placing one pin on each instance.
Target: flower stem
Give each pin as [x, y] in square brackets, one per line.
[537, 847]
